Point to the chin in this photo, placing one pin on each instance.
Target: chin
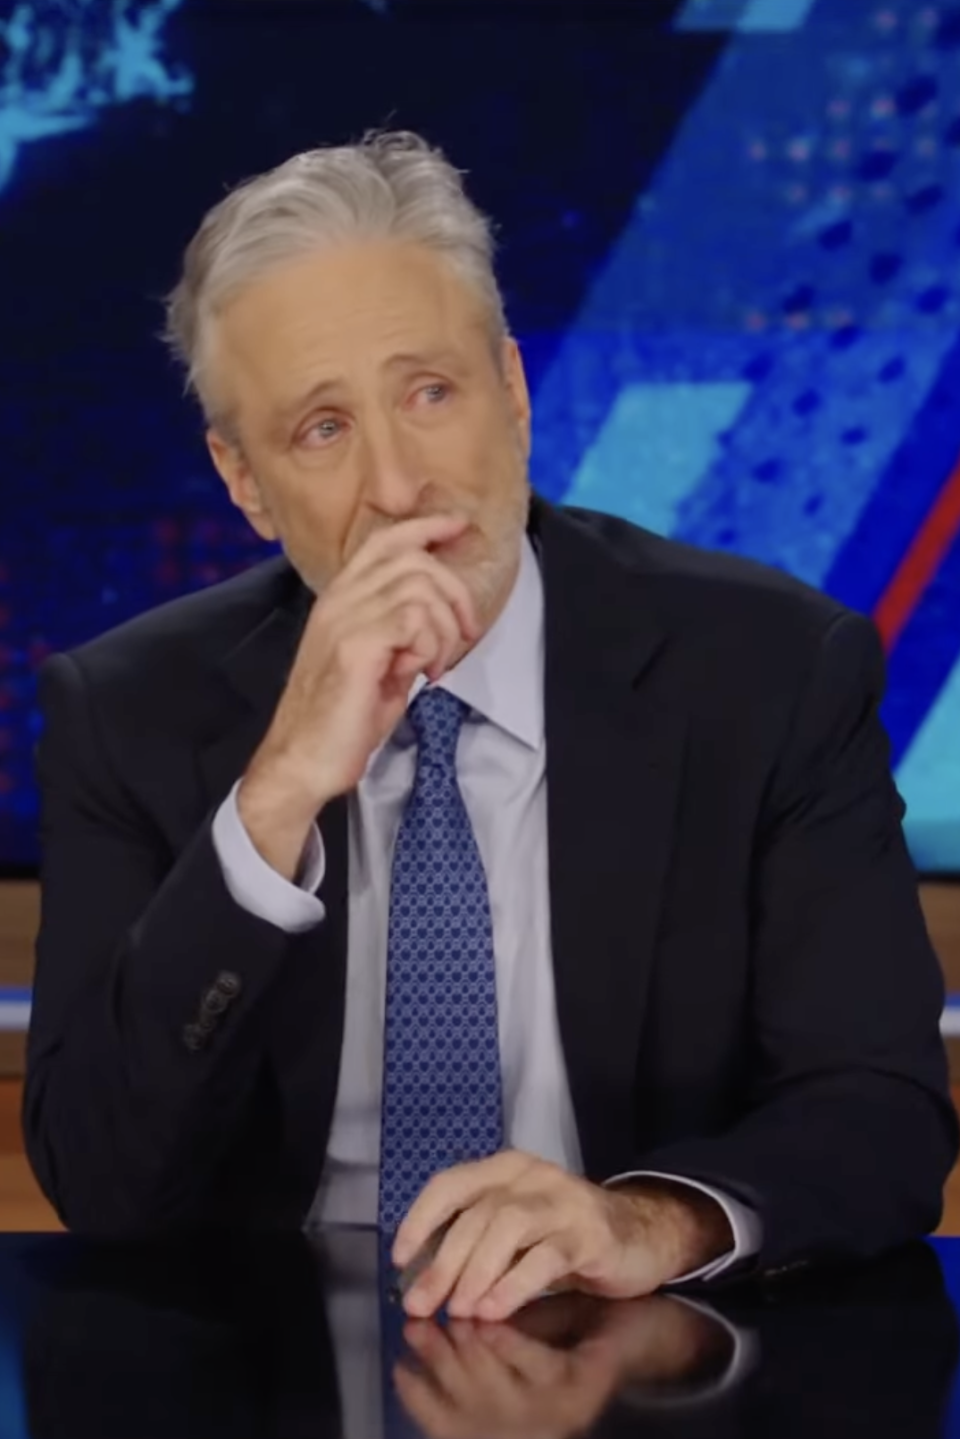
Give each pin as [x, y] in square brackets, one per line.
[488, 572]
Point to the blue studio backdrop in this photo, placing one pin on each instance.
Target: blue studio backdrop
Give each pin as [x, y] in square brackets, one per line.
[729, 244]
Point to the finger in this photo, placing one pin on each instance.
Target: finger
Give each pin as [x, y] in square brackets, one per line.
[419, 589]
[404, 535]
[448, 581]
[416, 630]
[375, 620]
[512, 1230]
[454, 1189]
[542, 1266]
[419, 563]
[367, 636]
[401, 673]
[393, 658]
[435, 1284]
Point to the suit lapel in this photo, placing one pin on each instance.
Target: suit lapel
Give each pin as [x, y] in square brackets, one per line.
[614, 758]
[305, 1049]
[254, 671]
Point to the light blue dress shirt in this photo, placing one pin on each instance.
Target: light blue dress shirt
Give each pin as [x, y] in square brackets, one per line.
[501, 767]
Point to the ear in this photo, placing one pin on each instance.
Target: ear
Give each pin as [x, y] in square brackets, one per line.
[515, 379]
[241, 483]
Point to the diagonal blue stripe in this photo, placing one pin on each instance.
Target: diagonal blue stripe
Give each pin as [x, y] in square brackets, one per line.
[929, 779]
[773, 15]
[922, 662]
[673, 303]
[746, 15]
[867, 562]
[654, 449]
[710, 15]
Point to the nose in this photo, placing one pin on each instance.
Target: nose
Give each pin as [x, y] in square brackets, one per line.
[392, 479]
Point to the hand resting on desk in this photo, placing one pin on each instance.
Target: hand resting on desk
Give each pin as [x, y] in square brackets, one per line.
[524, 1226]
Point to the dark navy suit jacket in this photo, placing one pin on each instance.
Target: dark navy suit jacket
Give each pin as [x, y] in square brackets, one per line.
[746, 992]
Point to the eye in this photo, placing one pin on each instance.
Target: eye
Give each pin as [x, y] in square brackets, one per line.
[436, 391]
[321, 432]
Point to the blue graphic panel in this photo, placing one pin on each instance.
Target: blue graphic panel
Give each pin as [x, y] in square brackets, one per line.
[744, 15]
[666, 436]
[930, 777]
[730, 242]
[772, 15]
[68, 60]
[801, 237]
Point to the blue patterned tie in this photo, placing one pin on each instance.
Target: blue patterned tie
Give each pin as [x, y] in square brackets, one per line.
[442, 1100]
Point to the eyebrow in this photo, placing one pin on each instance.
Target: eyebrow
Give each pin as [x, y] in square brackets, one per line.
[412, 360]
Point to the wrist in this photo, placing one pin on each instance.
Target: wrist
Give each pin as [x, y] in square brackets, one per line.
[277, 819]
[688, 1227]
[277, 789]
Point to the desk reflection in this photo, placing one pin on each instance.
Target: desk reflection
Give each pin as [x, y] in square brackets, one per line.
[558, 1367]
[294, 1337]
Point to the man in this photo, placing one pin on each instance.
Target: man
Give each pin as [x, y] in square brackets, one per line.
[478, 869]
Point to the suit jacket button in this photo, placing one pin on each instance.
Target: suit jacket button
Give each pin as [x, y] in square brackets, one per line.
[214, 1000]
[193, 1037]
[228, 984]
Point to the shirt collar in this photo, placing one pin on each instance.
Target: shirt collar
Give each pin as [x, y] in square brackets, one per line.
[501, 678]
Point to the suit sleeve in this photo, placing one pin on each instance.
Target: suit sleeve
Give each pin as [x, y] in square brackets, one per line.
[147, 1025]
[849, 1131]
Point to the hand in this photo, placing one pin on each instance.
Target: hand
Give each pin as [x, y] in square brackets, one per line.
[553, 1371]
[394, 611]
[524, 1226]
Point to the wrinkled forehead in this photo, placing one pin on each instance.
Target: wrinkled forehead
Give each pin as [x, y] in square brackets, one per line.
[343, 312]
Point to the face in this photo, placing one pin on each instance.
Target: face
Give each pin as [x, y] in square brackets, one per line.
[365, 390]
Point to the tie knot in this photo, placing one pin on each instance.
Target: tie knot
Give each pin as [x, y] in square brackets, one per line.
[436, 716]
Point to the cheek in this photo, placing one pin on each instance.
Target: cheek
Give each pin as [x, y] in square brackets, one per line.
[488, 463]
[312, 519]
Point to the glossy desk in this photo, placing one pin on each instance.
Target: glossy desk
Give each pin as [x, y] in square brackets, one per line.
[294, 1338]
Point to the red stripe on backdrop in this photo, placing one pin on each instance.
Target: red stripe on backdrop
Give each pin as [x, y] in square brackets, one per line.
[920, 564]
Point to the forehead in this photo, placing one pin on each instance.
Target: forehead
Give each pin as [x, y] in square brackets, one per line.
[342, 308]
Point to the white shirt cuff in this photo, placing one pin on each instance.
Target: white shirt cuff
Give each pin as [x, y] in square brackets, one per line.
[745, 1223]
[256, 886]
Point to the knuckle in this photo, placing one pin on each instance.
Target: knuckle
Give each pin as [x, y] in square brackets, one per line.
[411, 615]
[413, 586]
[510, 1215]
[419, 591]
[550, 1255]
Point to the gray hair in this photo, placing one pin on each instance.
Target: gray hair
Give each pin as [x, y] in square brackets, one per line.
[392, 185]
